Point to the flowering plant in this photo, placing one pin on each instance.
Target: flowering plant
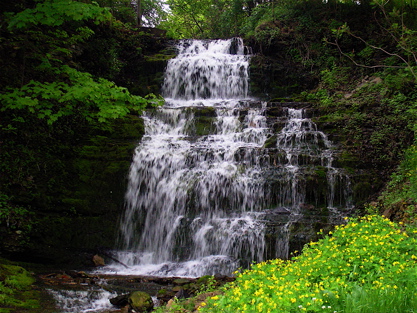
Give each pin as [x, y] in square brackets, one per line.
[368, 265]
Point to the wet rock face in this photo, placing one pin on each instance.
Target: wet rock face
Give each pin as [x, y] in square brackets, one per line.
[75, 215]
[277, 78]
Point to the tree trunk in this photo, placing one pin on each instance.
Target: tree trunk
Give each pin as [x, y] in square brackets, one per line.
[138, 13]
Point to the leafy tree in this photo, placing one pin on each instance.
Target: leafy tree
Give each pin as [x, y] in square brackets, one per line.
[122, 10]
[401, 33]
[137, 12]
[205, 18]
[57, 12]
[49, 35]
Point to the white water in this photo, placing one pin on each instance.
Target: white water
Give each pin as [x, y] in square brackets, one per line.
[76, 301]
[207, 70]
[190, 203]
[305, 146]
[196, 204]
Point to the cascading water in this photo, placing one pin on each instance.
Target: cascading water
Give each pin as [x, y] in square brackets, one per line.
[199, 198]
[305, 149]
[217, 180]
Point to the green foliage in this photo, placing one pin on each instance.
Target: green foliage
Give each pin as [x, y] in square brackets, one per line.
[261, 22]
[125, 11]
[204, 19]
[183, 305]
[122, 10]
[15, 288]
[335, 77]
[403, 184]
[400, 54]
[94, 99]
[153, 12]
[13, 217]
[56, 88]
[208, 284]
[368, 265]
[321, 96]
[57, 12]
[260, 15]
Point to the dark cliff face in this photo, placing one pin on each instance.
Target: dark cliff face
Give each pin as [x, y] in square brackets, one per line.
[67, 181]
[73, 189]
[274, 78]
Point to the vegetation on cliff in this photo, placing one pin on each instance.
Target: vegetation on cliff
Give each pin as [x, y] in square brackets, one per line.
[359, 62]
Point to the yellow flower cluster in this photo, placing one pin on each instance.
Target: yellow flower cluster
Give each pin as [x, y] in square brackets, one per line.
[369, 253]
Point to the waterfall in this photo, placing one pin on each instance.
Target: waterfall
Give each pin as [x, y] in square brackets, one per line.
[305, 148]
[202, 186]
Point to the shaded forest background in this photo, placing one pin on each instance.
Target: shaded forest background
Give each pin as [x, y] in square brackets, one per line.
[75, 76]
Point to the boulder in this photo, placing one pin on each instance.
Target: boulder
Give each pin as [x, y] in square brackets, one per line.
[98, 260]
[120, 301]
[140, 301]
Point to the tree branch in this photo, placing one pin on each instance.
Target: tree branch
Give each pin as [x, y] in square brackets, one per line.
[359, 64]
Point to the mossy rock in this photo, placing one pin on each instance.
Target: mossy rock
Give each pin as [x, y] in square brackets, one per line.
[177, 288]
[205, 111]
[321, 172]
[162, 292]
[140, 301]
[159, 57]
[204, 279]
[276, 111]
[181, 281]
[16, 291]
[204, 125]
[346, 160]
[271, 142]
[278, 126]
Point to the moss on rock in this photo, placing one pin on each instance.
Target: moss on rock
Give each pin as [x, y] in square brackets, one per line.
[16, 289]
[140, 301]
